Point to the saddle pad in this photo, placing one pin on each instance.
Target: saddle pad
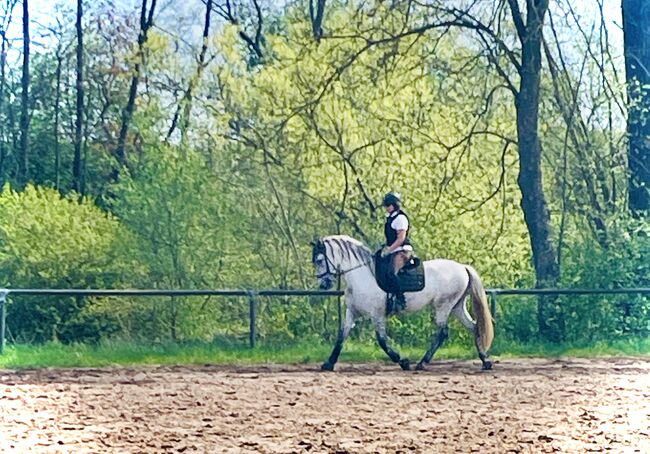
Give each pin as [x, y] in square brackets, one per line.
[411, 277]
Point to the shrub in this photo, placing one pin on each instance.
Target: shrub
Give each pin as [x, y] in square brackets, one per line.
[50, 241]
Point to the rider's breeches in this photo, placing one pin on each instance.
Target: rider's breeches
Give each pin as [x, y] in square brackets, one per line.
[398, 260]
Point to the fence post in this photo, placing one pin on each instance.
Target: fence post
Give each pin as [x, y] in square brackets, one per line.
[252, 314]
[493, 305]
[3, 317]
[338, 311]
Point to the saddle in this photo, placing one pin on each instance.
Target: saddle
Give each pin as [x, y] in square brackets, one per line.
[411, 276]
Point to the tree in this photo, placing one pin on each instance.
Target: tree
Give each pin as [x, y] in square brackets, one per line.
[23, 164]
[636, 23]
[534, 204]
[77, 176]
[527, 63]
[6, 20]
[146, 22]
[185, 106]
[178, 212]
[316, 14]
[57, 110]
[244, 22]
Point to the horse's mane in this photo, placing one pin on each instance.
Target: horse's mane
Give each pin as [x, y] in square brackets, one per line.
[349, 248]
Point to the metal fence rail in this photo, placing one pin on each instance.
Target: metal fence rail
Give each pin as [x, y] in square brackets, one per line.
[493, 293]
[253, 294]
[250, 294]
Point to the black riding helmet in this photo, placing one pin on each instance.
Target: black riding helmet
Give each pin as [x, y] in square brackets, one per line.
[392, 198]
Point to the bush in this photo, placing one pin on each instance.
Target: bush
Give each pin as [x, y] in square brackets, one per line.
[624, 261]
[50, 241]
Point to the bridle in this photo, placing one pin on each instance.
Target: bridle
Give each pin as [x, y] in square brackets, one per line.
[320, 248]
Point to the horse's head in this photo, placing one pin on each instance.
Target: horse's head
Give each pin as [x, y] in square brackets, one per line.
[338, 255]
[322, 265]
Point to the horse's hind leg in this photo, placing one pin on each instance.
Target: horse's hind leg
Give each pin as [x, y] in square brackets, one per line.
[382, 340]
[461, 312]
[343, 334]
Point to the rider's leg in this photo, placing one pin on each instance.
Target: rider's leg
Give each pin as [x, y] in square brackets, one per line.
[398, 260]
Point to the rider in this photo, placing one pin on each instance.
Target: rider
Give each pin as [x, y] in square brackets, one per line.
[397, 245]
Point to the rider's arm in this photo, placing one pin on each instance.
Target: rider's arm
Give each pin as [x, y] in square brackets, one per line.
[401, 236]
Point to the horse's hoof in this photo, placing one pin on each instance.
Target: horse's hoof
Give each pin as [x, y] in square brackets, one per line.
[405, 364]
[327, 367]
[487, 365]
[420, 366]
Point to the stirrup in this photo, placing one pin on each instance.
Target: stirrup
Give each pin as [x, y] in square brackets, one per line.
[393, 305]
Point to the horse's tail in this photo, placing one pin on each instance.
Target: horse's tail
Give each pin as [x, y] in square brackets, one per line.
[484, 327]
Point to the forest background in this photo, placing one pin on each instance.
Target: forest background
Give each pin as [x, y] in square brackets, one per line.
[204, 143]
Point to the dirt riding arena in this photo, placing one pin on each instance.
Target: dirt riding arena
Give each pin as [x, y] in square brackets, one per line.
[520, 406]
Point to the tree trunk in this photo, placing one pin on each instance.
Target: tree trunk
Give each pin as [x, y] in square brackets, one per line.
[3, 78]
[636, 17]
[84, 169]
[77, 162]
[316, 15]
[23, 160]
[533, 203]
[146, 21]
[57, 115]
[186, 102]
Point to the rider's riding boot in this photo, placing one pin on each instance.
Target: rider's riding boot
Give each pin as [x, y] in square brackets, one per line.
[400, 301]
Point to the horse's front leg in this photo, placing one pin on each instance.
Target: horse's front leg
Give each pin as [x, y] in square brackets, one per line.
[441, 336]
[343, 334]
[382, 340]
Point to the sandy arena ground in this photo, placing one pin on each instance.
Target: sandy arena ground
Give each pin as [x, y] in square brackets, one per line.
[520, 406]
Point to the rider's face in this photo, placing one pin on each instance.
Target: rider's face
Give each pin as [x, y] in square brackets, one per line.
[389, 209]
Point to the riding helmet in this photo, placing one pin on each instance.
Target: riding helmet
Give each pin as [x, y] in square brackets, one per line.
[392, 198]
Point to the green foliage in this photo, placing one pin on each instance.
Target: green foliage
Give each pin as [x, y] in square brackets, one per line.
[372, 131]
[624, 261]
[301, 143]
[49, 241]
[180, 215]
[179, 212]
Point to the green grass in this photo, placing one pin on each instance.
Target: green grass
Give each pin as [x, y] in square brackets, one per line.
[112, 354]
[630, 347]
[124, 353]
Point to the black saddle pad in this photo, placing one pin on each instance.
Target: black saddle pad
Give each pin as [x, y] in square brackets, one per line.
[411, 277]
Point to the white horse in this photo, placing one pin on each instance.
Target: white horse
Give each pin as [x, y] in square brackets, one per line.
[447, 283]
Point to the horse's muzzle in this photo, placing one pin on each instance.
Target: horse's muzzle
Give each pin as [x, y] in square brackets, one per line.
[326, 283]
